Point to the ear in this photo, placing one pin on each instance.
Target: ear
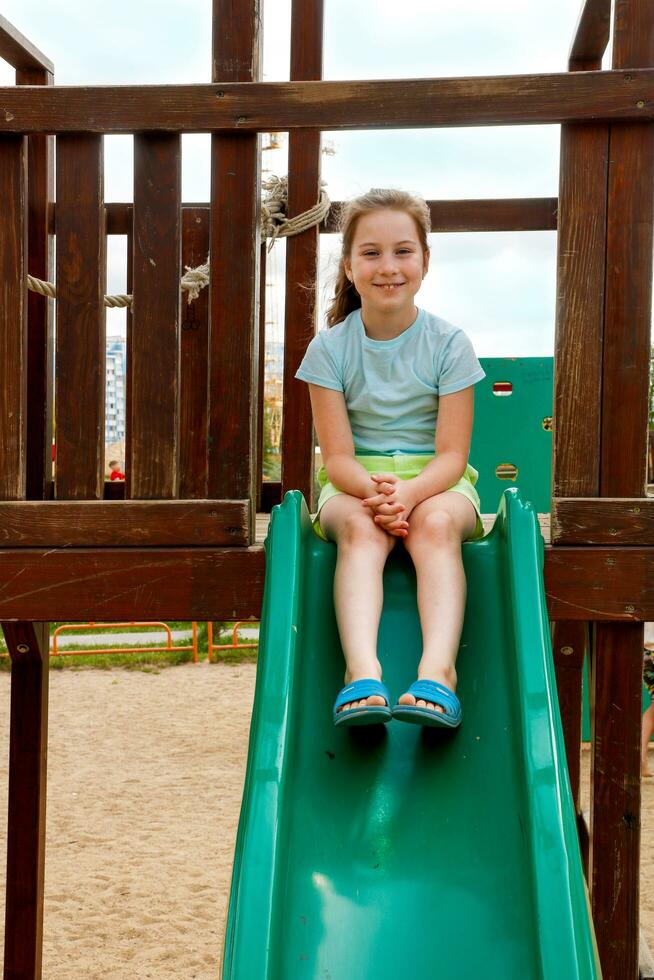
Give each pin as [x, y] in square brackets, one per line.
[425, 263]
[347, 266]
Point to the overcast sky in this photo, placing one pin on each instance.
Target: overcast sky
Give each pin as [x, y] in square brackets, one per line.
[499, 287]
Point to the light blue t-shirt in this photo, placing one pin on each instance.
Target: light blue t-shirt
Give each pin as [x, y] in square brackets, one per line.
[391, 387]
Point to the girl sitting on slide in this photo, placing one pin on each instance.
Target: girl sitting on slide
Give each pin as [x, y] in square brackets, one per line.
[391, 390]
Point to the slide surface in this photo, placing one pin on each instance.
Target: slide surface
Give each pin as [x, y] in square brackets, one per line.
[362, 852]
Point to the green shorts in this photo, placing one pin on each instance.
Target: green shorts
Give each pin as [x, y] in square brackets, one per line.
[406, 467]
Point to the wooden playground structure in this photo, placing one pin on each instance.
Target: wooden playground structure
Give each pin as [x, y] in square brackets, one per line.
[181, 542]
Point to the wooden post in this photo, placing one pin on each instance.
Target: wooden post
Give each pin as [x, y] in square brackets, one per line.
[81, 340]
[581, 253]
[617, 667]
[235, 208]
[154, 403]
[28, 740]
[194, 356]
[301, 257]
[40, 311]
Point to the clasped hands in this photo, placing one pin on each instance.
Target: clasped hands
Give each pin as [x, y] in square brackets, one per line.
[392, 504]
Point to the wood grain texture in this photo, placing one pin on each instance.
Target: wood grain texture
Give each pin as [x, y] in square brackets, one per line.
[599, 583]
[395, 103]
[570, 643]
[16, 49]
[193, 414]
[304, 149]
[614, 856]
[581, 248]
[28, 745]
[81, 340]
[235, 205]
[67, 584]
[603, 520]
[591, 35]
[155, 334]
[503, 214]
[607, 584]
[94, 523]
[40, 311]
[13, 316]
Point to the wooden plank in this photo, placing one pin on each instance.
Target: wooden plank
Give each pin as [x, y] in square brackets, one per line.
[591, 35]
[628, 306]
[18, 51]
[155, 334]
[506, 100]
[503, 214]
[301, 258]
[234, 335]
[40, 311]
[13, 315]
[119, 485]
[33, 581]
[194, 357]
[581, 243]
[603, 520]
[614, 858]
[94, 523]
[171, 583]
[28, 741]
[599, 583]
[569, 645]
[617, 665]
[81, 343]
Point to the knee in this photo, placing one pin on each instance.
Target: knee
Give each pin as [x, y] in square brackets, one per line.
[438, 529]
[359, 530]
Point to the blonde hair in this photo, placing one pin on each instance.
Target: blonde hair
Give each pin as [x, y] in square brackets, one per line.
[346, 298]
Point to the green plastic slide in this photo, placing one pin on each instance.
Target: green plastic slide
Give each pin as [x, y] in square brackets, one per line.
[370, 852]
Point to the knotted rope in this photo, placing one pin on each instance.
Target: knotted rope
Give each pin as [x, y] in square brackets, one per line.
[274, 224]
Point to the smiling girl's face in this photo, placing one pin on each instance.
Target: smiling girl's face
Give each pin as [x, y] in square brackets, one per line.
[387, 265]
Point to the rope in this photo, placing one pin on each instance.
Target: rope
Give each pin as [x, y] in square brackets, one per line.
[274, 225]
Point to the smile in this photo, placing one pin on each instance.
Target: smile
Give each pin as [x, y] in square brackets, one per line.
[388, 286]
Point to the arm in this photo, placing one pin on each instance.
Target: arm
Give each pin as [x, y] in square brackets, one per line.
[332, 427]
[453, 433]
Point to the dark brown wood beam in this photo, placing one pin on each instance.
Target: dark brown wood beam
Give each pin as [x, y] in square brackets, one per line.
[142, 523]
[503, 100]
[118, 583]
[593, 583]
[28, 744]
[603, 520]
[591, 35]
[599, 583]
[503, 214]
[234, 287]
[40, 311]
[13, 316]
[18, 51]
[301, 257]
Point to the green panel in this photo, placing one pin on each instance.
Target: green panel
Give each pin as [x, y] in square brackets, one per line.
[509, 429]
[585, 706]
[362, 850]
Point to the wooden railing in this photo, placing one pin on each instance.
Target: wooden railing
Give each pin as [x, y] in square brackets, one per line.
[181, 544]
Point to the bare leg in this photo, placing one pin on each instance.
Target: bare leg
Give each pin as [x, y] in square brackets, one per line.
[647, 731]
[363, 548]
[437, 527]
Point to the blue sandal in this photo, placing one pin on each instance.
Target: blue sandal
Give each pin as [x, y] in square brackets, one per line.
[372, 714]
[437, 694]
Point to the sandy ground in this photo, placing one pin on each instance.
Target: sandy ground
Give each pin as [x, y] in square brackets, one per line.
[144, 785]
[145, 774]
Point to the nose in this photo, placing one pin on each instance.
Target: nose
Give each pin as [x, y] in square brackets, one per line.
[388, 265]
